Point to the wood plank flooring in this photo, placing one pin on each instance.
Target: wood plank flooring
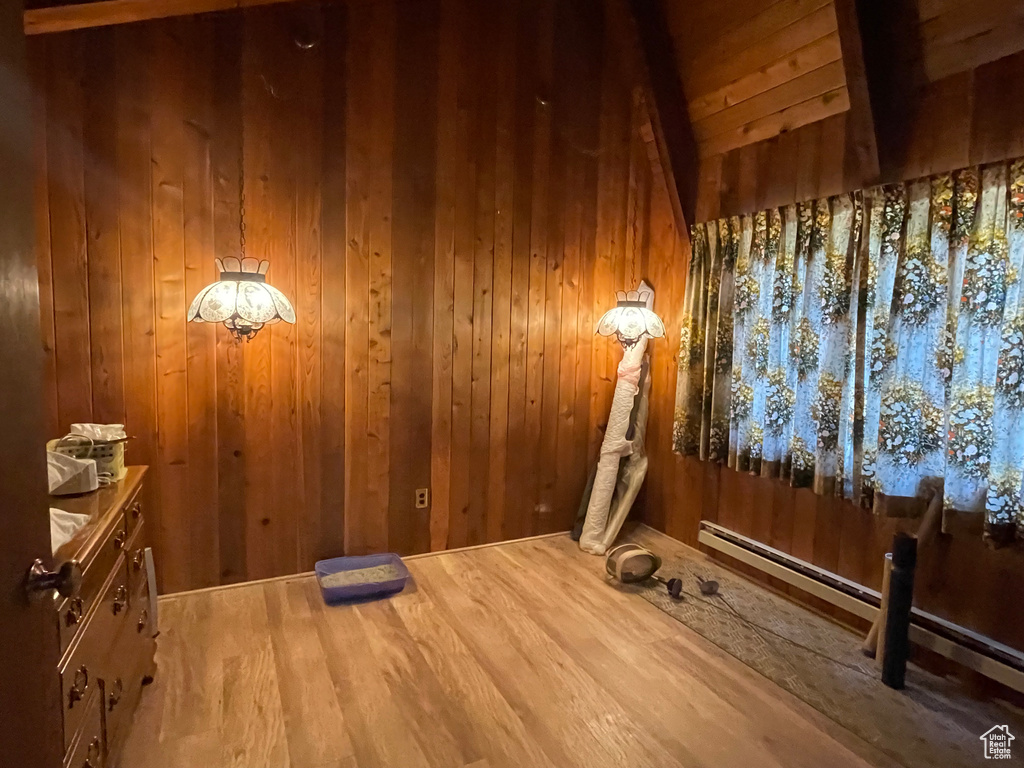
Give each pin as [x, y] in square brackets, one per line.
[517, 655]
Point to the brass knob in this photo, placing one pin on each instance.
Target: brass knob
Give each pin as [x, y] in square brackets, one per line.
[115, 693]
[120, 599]
[143, 620]
[75, 610]
[92, 757]
[119, 538]
[79, 686]
[138, 559]
[136, 510]
[67, 579]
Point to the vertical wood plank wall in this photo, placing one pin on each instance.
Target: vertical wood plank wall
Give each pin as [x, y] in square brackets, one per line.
[963, 119]
[442, 188]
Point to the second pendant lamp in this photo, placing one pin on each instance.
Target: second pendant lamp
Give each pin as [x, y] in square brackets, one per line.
[241, 299]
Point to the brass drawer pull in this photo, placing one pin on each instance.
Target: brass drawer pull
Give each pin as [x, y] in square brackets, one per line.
[75, 611]
[138, 559]
[136, 511]
[143, 620]
[120, 599]
[119, 538]
[79, 686]
[92, 757]
[115, 693]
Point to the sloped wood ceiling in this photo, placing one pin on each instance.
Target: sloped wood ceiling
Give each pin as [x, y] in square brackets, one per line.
[959, 35]
[752, 69]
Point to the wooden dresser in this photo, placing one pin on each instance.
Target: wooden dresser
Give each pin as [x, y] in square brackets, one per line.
[106, 634]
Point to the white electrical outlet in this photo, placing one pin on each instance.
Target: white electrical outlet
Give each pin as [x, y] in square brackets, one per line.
[422, 498]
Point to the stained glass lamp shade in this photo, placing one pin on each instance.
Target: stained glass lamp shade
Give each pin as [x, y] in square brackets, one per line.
[242, 299]
[630, 319]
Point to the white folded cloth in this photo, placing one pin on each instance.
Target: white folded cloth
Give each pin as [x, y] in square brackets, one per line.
[64, 525]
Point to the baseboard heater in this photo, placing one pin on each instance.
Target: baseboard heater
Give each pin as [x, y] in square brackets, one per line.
[975, 651]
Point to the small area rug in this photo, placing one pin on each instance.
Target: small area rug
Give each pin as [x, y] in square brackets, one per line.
[932, 722]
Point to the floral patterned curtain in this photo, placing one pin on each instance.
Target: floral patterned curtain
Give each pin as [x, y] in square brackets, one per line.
[869, 345]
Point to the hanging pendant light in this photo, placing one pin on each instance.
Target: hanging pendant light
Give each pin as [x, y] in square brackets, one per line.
[630, 319]
[242, 299]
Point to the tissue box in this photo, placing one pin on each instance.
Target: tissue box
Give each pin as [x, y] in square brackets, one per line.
[67, 475]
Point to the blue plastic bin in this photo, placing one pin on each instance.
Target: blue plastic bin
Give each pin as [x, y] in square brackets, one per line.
[361, 591]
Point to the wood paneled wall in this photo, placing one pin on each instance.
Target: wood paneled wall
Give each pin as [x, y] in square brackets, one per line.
[753, 69]
[445, 190]
[967, 118]
[959, 35]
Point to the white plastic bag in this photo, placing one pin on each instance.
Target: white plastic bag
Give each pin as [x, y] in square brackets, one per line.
[100, 431]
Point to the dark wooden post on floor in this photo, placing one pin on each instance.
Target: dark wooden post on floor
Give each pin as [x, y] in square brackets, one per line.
[897, 620]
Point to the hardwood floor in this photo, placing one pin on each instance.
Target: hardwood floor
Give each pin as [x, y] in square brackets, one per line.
[515, 655]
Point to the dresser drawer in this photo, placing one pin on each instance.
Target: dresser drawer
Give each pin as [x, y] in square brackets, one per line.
[92, 654]
[133, 652]
[136, 555]
[73, 611]
[87, 750]
[133, 512]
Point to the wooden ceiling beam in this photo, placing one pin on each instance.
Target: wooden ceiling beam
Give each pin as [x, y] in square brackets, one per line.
[105, 13]
[881, 45]
[861, 156]
[667, 105]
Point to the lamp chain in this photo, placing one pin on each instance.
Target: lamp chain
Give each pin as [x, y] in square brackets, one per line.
[241, 150]
[632, 265]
